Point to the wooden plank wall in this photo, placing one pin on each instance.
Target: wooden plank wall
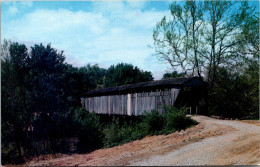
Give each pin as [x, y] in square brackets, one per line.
[130, 104]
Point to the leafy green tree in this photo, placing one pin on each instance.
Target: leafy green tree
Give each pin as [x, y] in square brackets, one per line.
[73, 85]
[47, 78]
[249, 39]
[177, 40]
[174, 74]
[235, 94]
[15, 99]
[80, 80]
[93, 77]
[123, 74]
[47, 85]
[251, 78]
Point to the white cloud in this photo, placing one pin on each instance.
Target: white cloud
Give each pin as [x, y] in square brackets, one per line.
[56, 26]
[113, 32]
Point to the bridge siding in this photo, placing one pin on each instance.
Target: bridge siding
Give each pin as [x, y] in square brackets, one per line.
[131, 104]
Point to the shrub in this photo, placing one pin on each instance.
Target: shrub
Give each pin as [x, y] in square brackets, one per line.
[92, 134]
[111, 134]
[89, 130]
[126, 133]
[154, 121]
[175, 119]
[116, 134]
[141, 130]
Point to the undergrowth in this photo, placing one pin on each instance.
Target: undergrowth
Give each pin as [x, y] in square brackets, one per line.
[115, 132]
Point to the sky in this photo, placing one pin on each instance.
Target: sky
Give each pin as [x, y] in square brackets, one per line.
[95, 32]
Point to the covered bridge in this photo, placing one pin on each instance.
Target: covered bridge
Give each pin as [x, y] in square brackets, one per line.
[134, 99]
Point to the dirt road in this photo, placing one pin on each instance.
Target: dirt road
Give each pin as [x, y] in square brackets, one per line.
[212, 142]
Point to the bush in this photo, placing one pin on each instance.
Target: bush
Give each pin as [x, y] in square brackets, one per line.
[154, 121]
[89, 131]
[175, 119]
[141, 130]
[115, 131]
[114, 134]
[111, 134]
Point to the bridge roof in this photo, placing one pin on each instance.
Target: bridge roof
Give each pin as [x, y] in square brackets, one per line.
[149, 86]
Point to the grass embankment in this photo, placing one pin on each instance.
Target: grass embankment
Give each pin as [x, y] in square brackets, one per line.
[94, 132]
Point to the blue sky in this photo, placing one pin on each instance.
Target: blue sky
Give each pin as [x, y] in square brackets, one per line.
[92, 32]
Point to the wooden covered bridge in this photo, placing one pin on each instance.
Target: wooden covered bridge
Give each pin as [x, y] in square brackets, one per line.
[134, 99]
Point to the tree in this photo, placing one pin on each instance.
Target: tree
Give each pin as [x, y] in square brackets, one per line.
[123, 74]
[235, 94]
[249, 39]
[174, 74]
[93, 76]
[15, 98]
[176, 41]
[47, 78]
[47, 84]
[200, 37]
[80, 80]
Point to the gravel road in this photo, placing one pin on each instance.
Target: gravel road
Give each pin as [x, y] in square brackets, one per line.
[212, 142]
[238, 147]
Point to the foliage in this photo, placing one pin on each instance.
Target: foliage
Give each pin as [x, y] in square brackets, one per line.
[112, 135]
[235, 95]
[94, 132]
[14, 77]
[46, 79]
[174, 74]
[93, 76]
[199, 37]
[88, 130]
[249, 40]
[41, 95]
[33, 97]
[79, 80]
[151, 123]
[154, 120]
[123, 74]
[175, 119]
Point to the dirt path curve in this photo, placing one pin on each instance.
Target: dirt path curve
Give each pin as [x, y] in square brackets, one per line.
[212, 142]
[237, 147]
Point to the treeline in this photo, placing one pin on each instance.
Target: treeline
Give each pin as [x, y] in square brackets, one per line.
[40, 93]
[235, 93]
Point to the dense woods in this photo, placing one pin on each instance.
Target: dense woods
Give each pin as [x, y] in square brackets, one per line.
[40, 92]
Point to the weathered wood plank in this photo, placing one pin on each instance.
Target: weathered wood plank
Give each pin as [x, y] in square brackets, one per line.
[130, 104]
